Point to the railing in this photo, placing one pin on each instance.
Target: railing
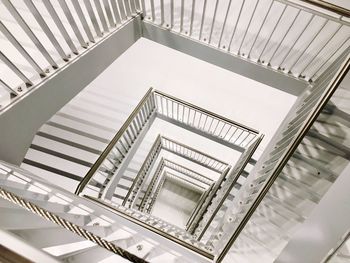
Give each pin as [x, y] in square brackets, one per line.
[107, 164]
[189, 153]
[339, 253]
[159, 177]
[188, 172]
[30, 192]
[199, 205]
[216, 201]
[152, 199]
[186, 115]
[77, 28]
[158, 226]
[290, 37]
[193, 155]
[149, 192]
[143, 172]
[268, 170]
[204, 122]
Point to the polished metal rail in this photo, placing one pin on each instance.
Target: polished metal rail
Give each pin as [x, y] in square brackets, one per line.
[149, 223]
[188, 172]
[204, 122]
[224, 190]
[335, 252]
[87, 38]
[117, 149]
[300, 122]
[32, 189]
[232, 29]
[199, 205]
[193, 155]
[227, 132]
[143, 172]
[149, 191]
[164, 143]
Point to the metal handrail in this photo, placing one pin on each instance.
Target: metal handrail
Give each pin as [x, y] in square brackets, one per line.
[199, 205]
[165, 143]
[335, 250]
[110, 146]
[74, 15]
[147, 164]
[304, 67]
[329, 6]
[222, 165]
[282, 161]
[151, 228]
[228, 184]
[187, 171]
[217, 116]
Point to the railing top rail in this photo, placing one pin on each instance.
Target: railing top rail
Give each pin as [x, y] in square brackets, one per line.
[110, 146]
[168, 164]
[333, 252]
[170, 176]
[193, 149]
[324, 5]
[151, 228]
[210, 113]
[290, 149]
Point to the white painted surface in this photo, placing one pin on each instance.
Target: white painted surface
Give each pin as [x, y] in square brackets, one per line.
[175, 203]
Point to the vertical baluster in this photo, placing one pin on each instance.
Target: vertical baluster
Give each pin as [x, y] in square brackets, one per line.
[238, 136]
[188, 116]
[212, 120]
[192, 16]
[284, 35]
[15, 69]
[202, 20]
[161, 12]
[138, 7]
[260, 28]
[32, 8]
[320, 50]
[133, 7]
[308, 45]
[291, 48]
[217, 125]
[82, 19]
[153, 11]
[123, 13]
[143, 8]
[127, 8]
[109, 13]
[228, 130]
[8, 88]
[182, 15]
[235, 27]
[19, 19]
[101, 15]
[117, 16]
[329, 57]
[242, 142]
[93, 18]
[273, 31]
[246, 31]
[21, 50]
[72, 23]
[171, 14]
[213, 21]
[60, 26]
[233, 134]
[224, 24]
[194, 118]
